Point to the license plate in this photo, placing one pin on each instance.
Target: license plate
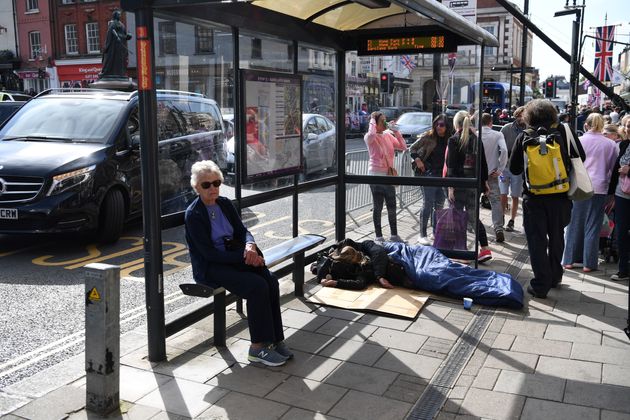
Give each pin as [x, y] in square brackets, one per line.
[8, 214]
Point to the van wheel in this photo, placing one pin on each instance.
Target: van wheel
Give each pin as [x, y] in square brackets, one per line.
[112, 217]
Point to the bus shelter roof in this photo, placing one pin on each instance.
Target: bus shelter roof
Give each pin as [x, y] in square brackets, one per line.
[332, 23]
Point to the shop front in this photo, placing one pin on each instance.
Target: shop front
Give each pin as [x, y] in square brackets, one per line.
[81, 74]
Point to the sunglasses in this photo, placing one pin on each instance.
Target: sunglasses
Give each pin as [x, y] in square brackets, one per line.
[207, 184]
[440, 124]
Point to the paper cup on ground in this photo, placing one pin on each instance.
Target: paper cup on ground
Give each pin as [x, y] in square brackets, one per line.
[468, 303]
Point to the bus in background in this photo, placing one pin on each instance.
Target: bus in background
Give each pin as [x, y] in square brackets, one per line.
[496, 95]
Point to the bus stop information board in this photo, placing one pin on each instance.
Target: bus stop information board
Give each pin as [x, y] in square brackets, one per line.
[273, 124]
[405, 44]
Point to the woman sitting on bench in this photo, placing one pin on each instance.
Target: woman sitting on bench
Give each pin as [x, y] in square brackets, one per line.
[223, 254]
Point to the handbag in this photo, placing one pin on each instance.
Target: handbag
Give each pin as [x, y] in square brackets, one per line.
[624, 183]
[450, 228]
[580, 186]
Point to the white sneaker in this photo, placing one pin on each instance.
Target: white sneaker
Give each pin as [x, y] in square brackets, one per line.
[379, 239]
[423, 240]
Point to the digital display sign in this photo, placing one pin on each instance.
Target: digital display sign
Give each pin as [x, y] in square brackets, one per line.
[434, 43]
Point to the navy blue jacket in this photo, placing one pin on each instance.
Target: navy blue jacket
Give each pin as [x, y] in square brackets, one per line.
[203, 254]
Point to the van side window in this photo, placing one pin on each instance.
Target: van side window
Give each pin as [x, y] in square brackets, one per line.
[132, 129]
[169, 121]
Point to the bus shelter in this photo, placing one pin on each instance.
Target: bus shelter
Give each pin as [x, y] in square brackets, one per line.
[277, 69]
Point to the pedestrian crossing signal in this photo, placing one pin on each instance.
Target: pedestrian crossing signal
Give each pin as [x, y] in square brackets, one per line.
[387, 82]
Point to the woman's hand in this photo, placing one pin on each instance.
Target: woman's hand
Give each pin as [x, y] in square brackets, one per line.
[624, 170]
[385, 284]
[420, 165]
[328, 281]
[251, 256]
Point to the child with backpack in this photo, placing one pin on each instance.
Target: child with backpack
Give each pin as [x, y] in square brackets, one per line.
[540, 153]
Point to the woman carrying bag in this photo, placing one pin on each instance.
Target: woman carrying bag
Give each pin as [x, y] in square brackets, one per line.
[428, 160]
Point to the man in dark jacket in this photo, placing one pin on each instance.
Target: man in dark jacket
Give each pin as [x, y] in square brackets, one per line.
[544, 216]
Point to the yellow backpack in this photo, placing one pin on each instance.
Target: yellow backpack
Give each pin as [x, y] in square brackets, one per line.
[546, 171]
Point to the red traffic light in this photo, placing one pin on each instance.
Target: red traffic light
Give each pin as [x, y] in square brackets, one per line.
[384, 76]
[550, 83]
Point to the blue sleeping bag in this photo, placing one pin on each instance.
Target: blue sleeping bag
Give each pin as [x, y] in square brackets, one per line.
[431, 271]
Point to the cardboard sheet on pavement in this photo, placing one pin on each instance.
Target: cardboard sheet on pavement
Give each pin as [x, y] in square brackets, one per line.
[398, 301]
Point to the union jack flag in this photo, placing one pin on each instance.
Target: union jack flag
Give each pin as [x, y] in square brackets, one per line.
[604, 52]
[407, 61]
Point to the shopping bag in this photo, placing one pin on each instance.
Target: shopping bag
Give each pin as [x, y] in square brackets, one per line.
[450, 229]
[580, 186]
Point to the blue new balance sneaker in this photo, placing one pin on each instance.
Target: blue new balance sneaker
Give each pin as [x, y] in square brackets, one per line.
[283, 350]
[267, 356]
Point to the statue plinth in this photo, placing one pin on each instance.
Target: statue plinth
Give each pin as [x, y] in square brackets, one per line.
[123, 84]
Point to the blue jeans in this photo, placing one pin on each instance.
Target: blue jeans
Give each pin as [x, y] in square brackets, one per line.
[622, 225]
[433, 200]
[582, 233]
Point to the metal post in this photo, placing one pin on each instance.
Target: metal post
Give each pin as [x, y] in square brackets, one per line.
[521, 100]
[154, 282]
[574, 78]
[437, 70]
[102, 338]
[340, 190]
[511, 78]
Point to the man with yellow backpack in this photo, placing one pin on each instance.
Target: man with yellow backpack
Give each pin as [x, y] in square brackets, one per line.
[541, 154]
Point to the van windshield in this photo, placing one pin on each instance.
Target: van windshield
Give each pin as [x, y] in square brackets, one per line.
[71, 119]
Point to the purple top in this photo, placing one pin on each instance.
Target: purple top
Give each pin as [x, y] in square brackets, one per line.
[221, 227]
[601, 155]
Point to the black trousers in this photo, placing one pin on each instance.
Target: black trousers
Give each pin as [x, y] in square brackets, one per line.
[544, 219]
[386, 193]
[261, 290]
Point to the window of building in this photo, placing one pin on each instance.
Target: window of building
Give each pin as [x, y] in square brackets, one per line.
[93, 41]
[168, 38]
[490, 51]
[67, 1]
[35, 41]
[32, 5]
[72, 41]
[204, 40]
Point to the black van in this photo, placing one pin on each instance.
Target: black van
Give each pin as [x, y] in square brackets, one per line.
[70, 159]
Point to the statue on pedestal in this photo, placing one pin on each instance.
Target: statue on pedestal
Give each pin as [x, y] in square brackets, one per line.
[115, 51]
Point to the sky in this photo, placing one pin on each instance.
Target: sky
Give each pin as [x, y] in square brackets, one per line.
[559, 30]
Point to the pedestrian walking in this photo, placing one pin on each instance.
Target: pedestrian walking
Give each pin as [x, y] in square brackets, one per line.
[582, 233]
[381, 144]
[511, 184]
[428, 160]
[622, 205]
[464, 148]
[496, 158]
[544, 215]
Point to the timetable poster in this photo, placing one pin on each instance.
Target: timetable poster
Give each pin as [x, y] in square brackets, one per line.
[273, 124]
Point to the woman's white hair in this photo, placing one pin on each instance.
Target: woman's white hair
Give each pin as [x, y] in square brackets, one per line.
[204, 167]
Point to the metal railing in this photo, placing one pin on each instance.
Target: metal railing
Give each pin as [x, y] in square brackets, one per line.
[359, 196]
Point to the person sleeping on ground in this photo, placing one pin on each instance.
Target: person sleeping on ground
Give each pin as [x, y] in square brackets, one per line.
[355, 265]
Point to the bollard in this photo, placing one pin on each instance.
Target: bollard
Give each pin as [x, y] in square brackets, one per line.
[102, 338]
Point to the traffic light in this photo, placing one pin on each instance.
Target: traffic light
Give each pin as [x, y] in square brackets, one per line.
[41, 73]
[387, 82]
[550, 88]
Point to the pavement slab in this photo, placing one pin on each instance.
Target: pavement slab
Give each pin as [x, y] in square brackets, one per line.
[307, 394]
[361, 378]
[57, 404]
[248, 379]
[530, 385]
[536, 409]
[357, 405]
[244, 407]
[609, 397]
[494, 405]
[353, 351]
[570, 369]
[409, 363]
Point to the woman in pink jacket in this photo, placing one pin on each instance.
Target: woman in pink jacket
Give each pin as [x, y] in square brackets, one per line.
[582, 233]
[381, 145]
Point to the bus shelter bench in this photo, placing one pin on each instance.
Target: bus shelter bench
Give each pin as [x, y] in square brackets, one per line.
[292, 248]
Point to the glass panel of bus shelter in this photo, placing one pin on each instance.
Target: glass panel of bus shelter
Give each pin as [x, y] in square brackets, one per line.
[316, 213]
[264, 53]
[270, 223]
[451, 224]
[318, 68]
[193, 65]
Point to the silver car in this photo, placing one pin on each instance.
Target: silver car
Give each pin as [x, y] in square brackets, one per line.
[412, 124]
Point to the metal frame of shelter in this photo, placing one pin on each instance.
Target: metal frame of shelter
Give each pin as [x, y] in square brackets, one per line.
[335, 24]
